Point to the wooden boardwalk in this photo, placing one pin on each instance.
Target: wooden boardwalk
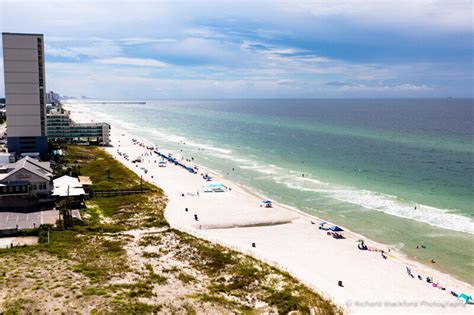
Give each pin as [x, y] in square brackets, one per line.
[119, 192]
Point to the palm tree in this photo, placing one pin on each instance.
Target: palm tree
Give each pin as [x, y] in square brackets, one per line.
[65, 211]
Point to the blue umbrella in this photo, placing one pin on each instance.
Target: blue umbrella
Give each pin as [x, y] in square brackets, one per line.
[322, 222]
[266, 201]
[335, 228]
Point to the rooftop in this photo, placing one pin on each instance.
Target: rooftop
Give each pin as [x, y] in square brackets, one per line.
[42, 169]
[23, 34]
[67, 186]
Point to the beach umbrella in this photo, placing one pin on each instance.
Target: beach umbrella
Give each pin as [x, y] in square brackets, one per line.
[266, 201]
[322, 223]
[335, 228]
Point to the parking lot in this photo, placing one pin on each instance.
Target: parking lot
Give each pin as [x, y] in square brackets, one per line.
[12, 220]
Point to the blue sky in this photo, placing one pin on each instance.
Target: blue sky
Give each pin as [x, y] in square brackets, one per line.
[251, 49]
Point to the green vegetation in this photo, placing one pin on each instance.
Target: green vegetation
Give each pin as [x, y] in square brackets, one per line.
[104, 171]
[19, 306]
[128, 211]
[94, 252]
[183, 277]
[90, 263]
[120, 308]
[245, 274]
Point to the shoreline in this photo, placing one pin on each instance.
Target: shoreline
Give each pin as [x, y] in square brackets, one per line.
[174, 180]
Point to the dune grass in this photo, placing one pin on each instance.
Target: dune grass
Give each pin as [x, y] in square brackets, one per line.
[104, 171]
[95, 250]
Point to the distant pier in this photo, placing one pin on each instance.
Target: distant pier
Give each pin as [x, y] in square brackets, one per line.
[116, 102]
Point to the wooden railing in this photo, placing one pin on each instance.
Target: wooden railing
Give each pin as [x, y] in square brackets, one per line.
[118, 192]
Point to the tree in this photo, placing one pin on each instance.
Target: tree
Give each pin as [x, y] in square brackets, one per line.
[64, 207]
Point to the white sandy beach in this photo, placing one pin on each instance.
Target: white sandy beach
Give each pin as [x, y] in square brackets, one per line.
[287, 238]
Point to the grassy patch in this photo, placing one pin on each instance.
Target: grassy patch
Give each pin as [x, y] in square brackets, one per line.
[150, 240]
[122, 308]
[154, 277]
[130, 211]
[235, 275]
[123, 212]
[285, 301]
[19, 306]
[186, 278]
[95, 256]
[208, 257]
[104, 171]
[216, 299]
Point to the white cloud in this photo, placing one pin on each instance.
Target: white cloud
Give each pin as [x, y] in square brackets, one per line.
[195, 51]
[145, 40]
[286, 82]
[142, 62]
[441, 15]
[196, 44]
[98, 50]
[387, 88]
[59, 52]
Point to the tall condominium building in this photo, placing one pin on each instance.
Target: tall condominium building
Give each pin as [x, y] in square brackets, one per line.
[23, 64]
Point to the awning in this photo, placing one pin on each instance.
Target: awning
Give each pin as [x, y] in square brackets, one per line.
[67, 191]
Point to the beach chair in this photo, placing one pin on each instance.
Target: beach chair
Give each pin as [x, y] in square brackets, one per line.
[465, 297]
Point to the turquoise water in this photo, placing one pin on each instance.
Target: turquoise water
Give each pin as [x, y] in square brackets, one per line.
[366, 163]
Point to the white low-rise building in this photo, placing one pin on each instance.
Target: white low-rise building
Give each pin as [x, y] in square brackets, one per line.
[67, 186]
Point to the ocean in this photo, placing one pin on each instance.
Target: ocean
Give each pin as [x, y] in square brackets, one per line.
[399, 171]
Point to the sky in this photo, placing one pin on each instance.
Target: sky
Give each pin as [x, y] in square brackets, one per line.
[251, 49]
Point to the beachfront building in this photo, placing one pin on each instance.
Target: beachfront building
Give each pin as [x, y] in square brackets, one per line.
[24, 183]
[70, 188]
[24, 71]
[6, 157]
[52, 98]
[61, 127]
